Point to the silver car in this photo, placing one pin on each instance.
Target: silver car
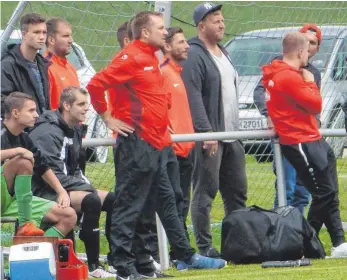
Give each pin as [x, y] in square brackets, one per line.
[249, 51]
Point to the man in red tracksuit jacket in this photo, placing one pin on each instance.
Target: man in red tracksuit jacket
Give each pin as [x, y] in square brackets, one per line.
[293, 100]
[141, 120]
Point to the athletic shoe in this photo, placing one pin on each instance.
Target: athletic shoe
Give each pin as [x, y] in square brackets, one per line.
[29, 229]
[211, 253]
[100, 272]
[155, 274]
[111, 269]
[200, 262]
[339, 251]
[181, 266]
[157, 265]
[131, 277]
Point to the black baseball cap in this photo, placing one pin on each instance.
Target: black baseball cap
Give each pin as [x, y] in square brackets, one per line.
[203, 9]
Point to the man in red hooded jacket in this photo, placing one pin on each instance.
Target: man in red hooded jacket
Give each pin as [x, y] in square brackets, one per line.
[293, 100]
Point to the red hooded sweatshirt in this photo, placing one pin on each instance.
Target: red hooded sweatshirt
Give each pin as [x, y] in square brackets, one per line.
[292, 103]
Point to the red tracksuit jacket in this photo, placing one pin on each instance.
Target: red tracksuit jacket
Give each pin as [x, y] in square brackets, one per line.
[292, 103]
[143, 100]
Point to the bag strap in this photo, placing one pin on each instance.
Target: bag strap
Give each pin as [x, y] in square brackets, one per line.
[257, 208]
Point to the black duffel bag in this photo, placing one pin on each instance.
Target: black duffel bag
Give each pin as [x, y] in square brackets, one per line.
[255, 235]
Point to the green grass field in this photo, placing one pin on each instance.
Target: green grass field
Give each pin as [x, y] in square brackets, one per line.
[94, 27]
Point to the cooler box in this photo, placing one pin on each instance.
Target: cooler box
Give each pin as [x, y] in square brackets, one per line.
[32, 261]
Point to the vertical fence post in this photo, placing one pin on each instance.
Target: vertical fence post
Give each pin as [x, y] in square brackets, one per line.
[163, 7]
[11, 25]
[281, 188]
[2, 270]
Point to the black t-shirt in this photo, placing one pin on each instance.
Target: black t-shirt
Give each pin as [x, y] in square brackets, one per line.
[10, 141]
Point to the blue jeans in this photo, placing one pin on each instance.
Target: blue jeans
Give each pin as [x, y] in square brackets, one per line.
[297, 195]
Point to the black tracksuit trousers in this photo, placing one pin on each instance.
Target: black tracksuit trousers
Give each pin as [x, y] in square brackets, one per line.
[315, 165]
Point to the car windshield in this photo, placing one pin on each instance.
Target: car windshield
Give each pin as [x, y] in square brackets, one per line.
[249, 54]
[72, 57]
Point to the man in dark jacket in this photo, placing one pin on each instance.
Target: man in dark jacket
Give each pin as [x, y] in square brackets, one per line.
[23, 68]
[59, 139]
[297, 195]
[212, 86]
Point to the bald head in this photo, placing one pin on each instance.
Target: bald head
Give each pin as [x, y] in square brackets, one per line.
[295, 49]
[293, 43]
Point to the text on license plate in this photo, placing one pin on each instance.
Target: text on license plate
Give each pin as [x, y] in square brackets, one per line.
[253, 124]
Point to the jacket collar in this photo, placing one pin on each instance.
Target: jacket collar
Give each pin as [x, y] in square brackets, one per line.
[178, 68]
[56, 59]
[16, 53]
[145, 47]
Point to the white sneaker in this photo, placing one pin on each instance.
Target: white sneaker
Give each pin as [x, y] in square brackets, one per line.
[157, 265]
[111, 269]
[339, 251]
[100, 272]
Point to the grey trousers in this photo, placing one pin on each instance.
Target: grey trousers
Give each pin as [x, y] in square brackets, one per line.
[225, 172]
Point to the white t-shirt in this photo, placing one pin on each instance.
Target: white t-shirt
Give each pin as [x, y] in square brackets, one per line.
[229, 92]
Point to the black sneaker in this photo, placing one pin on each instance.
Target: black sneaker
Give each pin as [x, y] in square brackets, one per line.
[131, 277]
[155, 274]
[211, 253]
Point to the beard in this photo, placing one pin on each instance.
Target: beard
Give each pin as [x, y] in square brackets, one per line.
[178, 56]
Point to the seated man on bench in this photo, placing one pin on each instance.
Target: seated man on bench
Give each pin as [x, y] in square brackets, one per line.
[58, 136]
[19, 157]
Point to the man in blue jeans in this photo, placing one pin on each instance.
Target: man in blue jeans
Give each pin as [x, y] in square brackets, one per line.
[297, 194]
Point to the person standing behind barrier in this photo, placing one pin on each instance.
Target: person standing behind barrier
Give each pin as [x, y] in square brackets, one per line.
[212, 86]
[293, 100]
[297, 195]
[175, 52]
[59, 139]
[142, 126]
[23, 69]
[61, 72]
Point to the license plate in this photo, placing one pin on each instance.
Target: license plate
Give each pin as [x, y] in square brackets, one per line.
[252, 124]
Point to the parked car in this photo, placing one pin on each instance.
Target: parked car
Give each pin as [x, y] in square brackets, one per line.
[250, 50]
[85, 71]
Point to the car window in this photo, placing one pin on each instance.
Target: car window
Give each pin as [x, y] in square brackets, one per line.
[75, 56]
[249, 54]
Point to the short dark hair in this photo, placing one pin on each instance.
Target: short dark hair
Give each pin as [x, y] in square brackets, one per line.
[31, 18]
[122, 32]
[141, 21]
[52, 26]
[15, 100]
[171, 32]
[69, 95]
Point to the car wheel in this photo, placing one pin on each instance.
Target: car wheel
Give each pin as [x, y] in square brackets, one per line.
[100, 153]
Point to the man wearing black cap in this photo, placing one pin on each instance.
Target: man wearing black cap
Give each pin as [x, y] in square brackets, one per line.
[212, 86]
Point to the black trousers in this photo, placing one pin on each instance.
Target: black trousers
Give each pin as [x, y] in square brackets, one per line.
[315, 165]
[179, 170]
[142, 182]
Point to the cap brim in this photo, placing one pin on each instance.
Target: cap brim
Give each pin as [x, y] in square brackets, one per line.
[215, 8]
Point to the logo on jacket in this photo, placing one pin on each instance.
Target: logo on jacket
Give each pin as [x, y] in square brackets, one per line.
[124, 57]
[271, 83]
[148, 68]
[176, 85]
